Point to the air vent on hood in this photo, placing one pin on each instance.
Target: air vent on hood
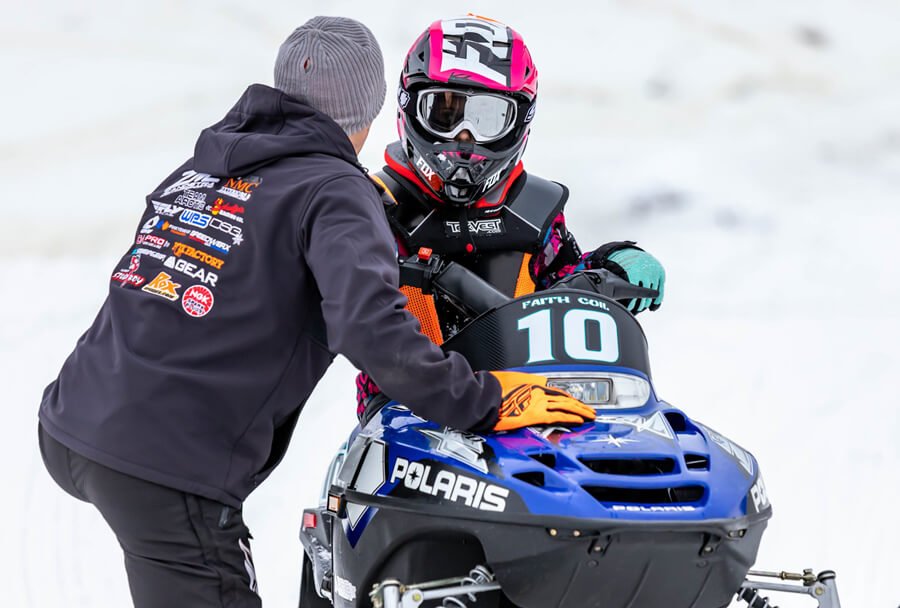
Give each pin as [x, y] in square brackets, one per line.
[696, 462]
[535, 478]
[630, 466]
[678, 422]
[647, 496]
[548, 459]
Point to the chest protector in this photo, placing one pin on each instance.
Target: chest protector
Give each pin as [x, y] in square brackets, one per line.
[497, 242]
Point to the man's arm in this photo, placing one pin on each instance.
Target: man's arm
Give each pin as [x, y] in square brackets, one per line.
[348, 246]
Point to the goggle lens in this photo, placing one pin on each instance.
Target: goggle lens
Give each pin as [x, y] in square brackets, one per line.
[447, 113]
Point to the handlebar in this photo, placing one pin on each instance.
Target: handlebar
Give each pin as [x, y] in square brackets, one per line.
[605, 283]
[453, 280]
[428, 272]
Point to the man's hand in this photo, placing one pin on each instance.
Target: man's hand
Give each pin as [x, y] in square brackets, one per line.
[635, 266]
[528, 401]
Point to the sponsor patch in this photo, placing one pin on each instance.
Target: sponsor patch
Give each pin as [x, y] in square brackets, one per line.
[150, 225]
[192, 200]
[191, 180]
[209, 241]
[162, 285]
[227, 210]
[194, 218]
[197, 301]
[151, 240]
[165, 209]
[191, 270]
[150, 253]
[240, 188]
[129, 276]
[180, 249]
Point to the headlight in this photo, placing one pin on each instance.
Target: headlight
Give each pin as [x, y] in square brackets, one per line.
[591, 392]
[613, 391]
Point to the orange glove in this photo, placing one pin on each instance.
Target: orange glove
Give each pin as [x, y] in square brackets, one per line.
[527, 401]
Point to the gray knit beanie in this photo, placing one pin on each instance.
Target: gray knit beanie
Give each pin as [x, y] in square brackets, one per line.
[335, 65]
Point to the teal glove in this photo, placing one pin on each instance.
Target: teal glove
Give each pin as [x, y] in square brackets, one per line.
[639, 268]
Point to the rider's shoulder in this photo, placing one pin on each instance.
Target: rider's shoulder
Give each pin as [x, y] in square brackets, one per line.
[537, 199]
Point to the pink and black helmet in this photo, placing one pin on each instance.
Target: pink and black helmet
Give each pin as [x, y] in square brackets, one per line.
[467, 97]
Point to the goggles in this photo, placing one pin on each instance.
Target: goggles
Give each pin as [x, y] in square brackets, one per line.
[447, 112]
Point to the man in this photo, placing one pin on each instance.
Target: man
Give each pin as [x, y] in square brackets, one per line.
[254, 263]
[455, 182]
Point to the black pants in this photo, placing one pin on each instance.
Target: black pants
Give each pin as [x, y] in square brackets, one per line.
[181, 550]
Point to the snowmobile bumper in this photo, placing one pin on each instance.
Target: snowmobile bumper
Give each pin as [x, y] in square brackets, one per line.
[543, 561]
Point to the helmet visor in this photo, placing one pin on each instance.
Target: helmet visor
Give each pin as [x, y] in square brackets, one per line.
[446, 113]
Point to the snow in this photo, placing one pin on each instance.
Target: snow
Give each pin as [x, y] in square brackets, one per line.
[753, 147]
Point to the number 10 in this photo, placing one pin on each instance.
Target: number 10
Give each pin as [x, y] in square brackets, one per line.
[540, 335]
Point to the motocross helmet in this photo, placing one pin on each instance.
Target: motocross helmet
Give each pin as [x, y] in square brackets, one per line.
[467, 97]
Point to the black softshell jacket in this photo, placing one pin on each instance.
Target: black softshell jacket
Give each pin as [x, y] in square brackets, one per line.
[254, 263]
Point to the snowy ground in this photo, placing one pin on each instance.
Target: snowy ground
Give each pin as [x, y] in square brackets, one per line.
[754, 147]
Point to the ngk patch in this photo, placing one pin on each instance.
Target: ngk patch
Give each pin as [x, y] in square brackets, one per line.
[197, 301]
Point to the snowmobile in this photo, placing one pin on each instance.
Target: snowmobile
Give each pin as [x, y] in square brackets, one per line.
[643, 507]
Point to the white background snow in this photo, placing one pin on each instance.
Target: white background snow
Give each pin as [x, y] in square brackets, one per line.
[754, 147]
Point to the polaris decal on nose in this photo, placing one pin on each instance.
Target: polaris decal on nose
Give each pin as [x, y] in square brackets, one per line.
[654, 508]
[477, 227]
[447, 485]
[758, 497]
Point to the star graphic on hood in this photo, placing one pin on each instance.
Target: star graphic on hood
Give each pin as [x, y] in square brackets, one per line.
[616, 441]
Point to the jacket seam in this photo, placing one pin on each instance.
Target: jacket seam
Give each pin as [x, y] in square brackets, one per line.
[258, 411]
